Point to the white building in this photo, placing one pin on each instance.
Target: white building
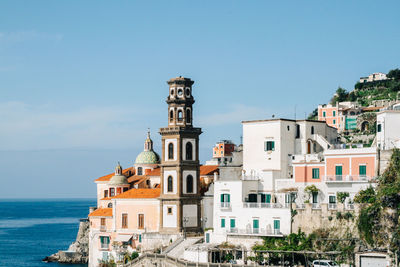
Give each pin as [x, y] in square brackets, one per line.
[376, 76]
[388, 129]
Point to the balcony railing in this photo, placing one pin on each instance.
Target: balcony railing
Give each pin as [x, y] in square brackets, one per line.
[348, 178]
[316, 206]
[264, 205]
[104, 245]
[254, 231]
[301, 206]
[225, 205]
[332, 206]
[103, 228]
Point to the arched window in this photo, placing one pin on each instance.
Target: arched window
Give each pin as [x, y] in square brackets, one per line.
[188, 119]
[189, 151]
[170, 187]
[180, 115]
[171, 115]
[312, 129]
[139, 171]
[189, 184]
[171, 151]
[109, 205]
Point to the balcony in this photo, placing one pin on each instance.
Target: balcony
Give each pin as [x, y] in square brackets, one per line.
[332, 206]
[307, 158]
[254, 232]
[225, 205]
[103, 228]
[265, 205]
[316, 206]
[252, 177]
[347, 178]
[104, 245]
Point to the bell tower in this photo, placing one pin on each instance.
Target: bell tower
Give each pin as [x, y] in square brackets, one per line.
[180, 170]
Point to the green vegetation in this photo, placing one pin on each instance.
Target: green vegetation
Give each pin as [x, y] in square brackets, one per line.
[378, 221]
[341, 196]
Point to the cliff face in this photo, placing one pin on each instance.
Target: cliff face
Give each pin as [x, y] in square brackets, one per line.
[78, 251]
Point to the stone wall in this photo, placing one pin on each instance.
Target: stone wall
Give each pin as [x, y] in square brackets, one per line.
[310, 219]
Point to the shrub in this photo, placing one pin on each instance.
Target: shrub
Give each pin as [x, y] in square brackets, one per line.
[339, 215]
[341, 196]
[134, 255]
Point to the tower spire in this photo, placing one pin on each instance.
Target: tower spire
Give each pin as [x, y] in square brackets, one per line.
[148, 143]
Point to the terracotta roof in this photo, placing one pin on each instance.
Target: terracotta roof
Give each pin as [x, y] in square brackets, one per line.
[103, 212]
[140, 193]
[371, 108]
[155, 172]
[208, 169]
[108, 176]
[137, 178]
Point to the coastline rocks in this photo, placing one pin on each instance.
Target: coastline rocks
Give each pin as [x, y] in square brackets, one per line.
[77, 251]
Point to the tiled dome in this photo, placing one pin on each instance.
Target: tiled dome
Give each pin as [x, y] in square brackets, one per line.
[147, 157]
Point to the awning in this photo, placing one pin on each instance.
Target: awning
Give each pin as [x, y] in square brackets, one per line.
[123, 238]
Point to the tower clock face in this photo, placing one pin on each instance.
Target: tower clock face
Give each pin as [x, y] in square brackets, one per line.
[180, 92]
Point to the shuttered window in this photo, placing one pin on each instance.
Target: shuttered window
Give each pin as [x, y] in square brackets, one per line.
[269, 146]
[315, 173]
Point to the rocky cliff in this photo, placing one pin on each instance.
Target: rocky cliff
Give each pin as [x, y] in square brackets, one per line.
[78, 251]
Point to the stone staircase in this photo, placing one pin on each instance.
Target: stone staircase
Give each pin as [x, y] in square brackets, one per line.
[178, 249]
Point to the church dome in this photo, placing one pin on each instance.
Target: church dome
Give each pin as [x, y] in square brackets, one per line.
[147, 157]
[118, 178]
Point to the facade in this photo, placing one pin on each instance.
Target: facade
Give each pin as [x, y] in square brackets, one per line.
[388, 129]
[149, 205]
[376, 76]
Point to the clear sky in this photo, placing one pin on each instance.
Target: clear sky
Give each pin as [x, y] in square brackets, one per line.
[81, 81]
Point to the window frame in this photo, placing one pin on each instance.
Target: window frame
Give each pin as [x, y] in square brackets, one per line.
[315, 173]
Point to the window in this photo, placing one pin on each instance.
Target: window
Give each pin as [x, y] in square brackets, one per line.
[119, 189]
[253, 198]
[269, 146]
[187, 92]
[379, 128]
[362, 170]
[180, 115]
[171, 115]
[105, 193]
[334, 121]
[139, 171]
[332, 199]
[148, 183]
[109, 205]
[288, 128]
[112, 192]
[170, 184]
[222, 222]
[265, 198]
[172, 92]
[170, 151]
[104, 241]
[334, 113]
[324, 114]
[297, 131]
[233, 223]
[103, 221]
[188, 119]
[277, 225]
[141, 221]
[225, 198]
[124, 220]
[207, 237]
[140, 238]
[315, 173]
[189, 151]
[256, 224]
[169, 211]
[189, 184]
[125, 189]
[338, 172]
[314, 197]
[312, 129]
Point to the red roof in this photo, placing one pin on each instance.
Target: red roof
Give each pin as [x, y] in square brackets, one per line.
[208, 169]
[155, 172]
[140, 193]
[103, 212]
[124, 172]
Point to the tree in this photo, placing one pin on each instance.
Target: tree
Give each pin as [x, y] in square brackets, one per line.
[394, 74]
[340, 96]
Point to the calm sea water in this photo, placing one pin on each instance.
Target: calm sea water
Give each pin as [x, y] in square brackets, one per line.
[33, 229]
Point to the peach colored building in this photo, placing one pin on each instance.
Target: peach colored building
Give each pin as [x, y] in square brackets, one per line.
[329, 114]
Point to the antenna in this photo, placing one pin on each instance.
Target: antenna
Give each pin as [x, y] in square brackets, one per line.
[241, 139]
[295, 106]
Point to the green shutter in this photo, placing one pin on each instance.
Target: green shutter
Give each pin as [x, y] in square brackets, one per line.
[268, 198]
[315, 173]
[332, 199]
[272, 145]
[222, 198]
[334, 113]
[277, 224]
[324, 114]
[255, 224]
[222, 223]
[338, 170]
[233, 225]
[207, 238]
[140, 238]
[362, 170]
[229, 198]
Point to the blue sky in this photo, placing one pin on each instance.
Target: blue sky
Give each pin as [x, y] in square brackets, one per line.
[81, 81]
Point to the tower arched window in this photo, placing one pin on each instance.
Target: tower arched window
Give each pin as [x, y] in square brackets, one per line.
[312, 129]
[189, 151]
[170, 151]
[180, 115]
[139, 171]
[170, 184]
[171, 115]
[188, 117]
[189, 184]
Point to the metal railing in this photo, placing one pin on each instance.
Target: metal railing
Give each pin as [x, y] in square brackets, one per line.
[265, 205]
[225, 205]
[254, 231]
[104, 245]
[348, 178]
[316, 206]
[332, 206]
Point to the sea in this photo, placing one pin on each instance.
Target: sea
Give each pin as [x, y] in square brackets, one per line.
[31, 229]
